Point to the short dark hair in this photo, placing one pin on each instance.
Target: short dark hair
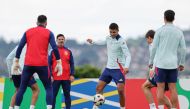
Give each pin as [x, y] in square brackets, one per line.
[114, 26]
[42, 19]
[169, 15]
[150, 34]
[60, 35]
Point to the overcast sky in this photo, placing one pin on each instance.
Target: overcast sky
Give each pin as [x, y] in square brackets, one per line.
[80, 19]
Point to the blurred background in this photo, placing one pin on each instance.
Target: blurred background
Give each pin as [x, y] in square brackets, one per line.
[82, 19]
[90, 60]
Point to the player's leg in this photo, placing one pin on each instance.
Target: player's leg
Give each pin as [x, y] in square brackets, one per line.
[161, 75]
[44, 76]
[99, 90]
[66, 85]
[174, 95]
[12, 103]
[172, 79]
[160, 95]
[146, 87]
[167, 102]
[104, 79]
[25, 77]
[166, 99]
[56, 86]
[35, 91]
[100, 87]
[16, 81]
[119, 79]
[121, 92]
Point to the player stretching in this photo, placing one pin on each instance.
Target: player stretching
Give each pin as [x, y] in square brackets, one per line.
[118, 53]
[36, 59]
[150, 82]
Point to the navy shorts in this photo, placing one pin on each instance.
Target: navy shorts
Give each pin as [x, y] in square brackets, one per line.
[153, 82]
[17, 80]
[115, 74]
[166, 75]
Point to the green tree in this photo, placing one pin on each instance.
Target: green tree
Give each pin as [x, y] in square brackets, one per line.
[87, 71]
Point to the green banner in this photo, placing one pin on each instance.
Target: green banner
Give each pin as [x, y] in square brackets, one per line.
[41, 102]
[183, 88]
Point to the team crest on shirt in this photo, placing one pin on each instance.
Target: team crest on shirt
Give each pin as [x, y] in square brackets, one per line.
[66, 53]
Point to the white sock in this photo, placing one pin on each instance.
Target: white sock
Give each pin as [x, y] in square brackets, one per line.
[10, 107]
[32, 106]
[95, 107]
[152, 106]
[122, 108]
[160, 106]
[17, 107]
[49, 106]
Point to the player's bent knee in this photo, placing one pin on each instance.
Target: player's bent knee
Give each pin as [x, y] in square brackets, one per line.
[35, 89]
[172, 87]
[16, 90]
[173, 90]
[121, 91]
[143, 86]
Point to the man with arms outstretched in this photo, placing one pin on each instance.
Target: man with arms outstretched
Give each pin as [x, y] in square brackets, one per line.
[117, 65]
[37, 40]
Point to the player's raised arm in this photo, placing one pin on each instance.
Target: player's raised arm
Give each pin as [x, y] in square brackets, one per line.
[91, 41]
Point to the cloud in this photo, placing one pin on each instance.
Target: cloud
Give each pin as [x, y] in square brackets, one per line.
[78, 19]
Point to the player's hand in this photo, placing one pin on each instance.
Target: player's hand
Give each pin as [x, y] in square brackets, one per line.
[72, 78]
[151, 73]
[150, 66]
[15, 69]
[125, 71]
[181, 68]
[89, 41]
[59, 68]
